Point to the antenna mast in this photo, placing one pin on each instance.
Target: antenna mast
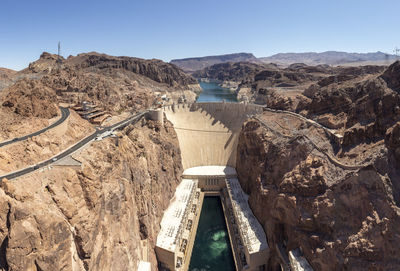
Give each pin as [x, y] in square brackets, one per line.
[59, 57]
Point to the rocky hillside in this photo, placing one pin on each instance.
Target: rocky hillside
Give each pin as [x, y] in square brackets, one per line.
[231, 71]
[30, 98]
[342, 212]
[363, 108]
[117, 83]
[103, 216]
[6, 76]
[329, 57]
[198, 63]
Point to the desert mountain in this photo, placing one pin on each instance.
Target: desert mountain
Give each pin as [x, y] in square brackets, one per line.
[198, 63]
[330, 58]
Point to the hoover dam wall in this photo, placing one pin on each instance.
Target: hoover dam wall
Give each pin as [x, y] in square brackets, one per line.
[208, 132]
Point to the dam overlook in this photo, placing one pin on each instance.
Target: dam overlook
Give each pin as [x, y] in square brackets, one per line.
[200, 136]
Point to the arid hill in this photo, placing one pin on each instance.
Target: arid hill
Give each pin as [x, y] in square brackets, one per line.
[115, 84]
[231, 71]
[30, 98]
[198, 63]
[6, 76]
[330, 58]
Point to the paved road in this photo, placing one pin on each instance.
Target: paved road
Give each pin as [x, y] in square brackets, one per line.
[64, 115]
[75, 147]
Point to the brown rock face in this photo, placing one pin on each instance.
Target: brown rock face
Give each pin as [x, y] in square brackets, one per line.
[154, 69]
[392, 141]
[30, 98]
[98, 217]
[363, 108]
[392, 76]
[237, 71]
[342, 218]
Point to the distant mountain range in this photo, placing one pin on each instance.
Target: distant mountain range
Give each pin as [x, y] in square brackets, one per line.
[285, 59]
[329, 57]
[198, 63]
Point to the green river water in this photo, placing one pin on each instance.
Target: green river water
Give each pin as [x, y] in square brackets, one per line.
[212, 249]
[212, 92]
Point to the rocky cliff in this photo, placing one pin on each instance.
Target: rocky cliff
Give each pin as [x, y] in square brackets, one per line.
[343, 215]
[116, 83]
[103, 216]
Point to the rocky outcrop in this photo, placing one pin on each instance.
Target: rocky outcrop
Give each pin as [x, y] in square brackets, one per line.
[230, 71]
[154, 69]
[392, 76]
[367, 107]
[104, 216]
[30, 98]
[342, 218]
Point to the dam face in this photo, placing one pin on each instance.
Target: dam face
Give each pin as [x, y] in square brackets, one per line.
[208, 132]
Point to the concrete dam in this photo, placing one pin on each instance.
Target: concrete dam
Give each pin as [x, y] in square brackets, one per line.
[208, 138]
[208, 132]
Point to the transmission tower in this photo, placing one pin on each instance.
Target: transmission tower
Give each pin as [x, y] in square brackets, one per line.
[59, 57]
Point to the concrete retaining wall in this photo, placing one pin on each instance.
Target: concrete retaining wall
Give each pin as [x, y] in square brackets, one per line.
[208, 132]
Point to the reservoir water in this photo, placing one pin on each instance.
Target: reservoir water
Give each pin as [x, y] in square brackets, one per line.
[212, 249]
[212, 92]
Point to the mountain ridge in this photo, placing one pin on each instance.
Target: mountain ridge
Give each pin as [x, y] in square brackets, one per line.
[333, 58]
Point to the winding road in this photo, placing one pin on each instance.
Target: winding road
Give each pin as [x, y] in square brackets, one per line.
[75, 147]
[64, 115]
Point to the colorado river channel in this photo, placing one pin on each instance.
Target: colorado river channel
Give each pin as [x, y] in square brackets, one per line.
[212, 249]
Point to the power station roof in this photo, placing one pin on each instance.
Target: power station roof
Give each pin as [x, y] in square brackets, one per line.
[172, 221]
[218, 171]
[252, 233]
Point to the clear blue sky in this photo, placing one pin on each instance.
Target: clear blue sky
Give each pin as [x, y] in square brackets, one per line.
[168, 29]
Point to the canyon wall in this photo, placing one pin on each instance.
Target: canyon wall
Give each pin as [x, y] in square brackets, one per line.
[342, 216]
[103, 216]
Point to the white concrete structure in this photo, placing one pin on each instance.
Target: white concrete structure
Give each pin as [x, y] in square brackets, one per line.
[175, 234]
[253, 239]
[209, 171]
[208, 132]
[144, 266]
